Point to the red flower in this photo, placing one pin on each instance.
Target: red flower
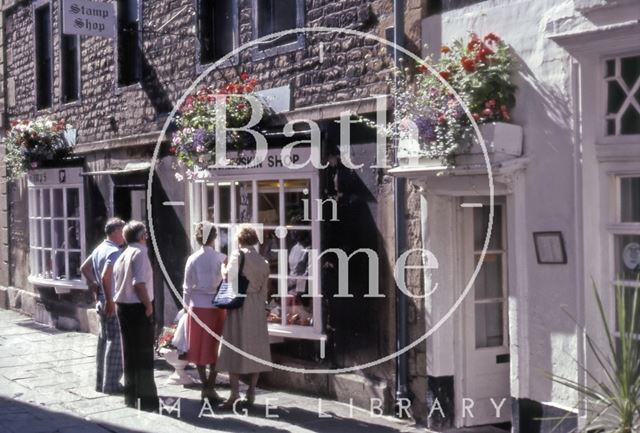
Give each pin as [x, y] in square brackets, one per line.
[444, 49]
[474, 42]
[492, 37]
[253, 82]
[468, 64]
[241, 106]
[442, 120]
[445, 74]
[475, 116]
[173, 150]
[14, 123]
[486, 112]
[244, 76]
[230, 88]
[422, 69]
[483, 53]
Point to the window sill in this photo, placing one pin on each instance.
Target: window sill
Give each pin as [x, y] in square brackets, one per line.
[60, 286]
[121, 88]
[231, 62]
[296, 331]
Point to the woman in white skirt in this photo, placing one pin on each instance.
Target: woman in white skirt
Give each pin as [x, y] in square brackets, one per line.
[246, 327]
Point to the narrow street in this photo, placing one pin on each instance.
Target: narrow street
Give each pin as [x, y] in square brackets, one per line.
[47, 386]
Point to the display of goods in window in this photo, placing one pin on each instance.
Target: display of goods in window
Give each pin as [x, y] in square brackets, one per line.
[30, 142]
[194, 142]
[472, 79]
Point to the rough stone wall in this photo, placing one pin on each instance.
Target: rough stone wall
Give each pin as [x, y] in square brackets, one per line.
[351, 68]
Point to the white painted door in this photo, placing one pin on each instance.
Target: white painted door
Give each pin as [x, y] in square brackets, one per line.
[486, 398]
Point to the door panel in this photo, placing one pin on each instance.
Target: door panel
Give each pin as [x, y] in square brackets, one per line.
[487, 379]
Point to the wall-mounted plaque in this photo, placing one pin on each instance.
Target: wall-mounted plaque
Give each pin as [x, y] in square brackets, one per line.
[550, 248]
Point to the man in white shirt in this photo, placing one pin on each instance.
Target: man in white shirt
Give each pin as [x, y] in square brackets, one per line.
[133, 276]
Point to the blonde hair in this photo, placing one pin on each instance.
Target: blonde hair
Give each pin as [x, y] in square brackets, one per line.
[247, 235]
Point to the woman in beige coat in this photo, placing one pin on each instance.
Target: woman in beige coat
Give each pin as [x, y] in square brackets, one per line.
[246, 327]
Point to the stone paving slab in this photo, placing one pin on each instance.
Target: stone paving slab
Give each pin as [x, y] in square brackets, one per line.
[47, 385]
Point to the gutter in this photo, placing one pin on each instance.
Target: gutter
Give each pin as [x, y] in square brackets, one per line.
[399, 187]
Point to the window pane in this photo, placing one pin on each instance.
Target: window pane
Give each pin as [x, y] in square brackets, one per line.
[38, 262]
[489, 321]
[210, 191]
[268, 249]
[74, 266]
[58, 203]
[46, 203]
[629, 298]
[627, 252]
[46, 227]
[630, 70]
[274, 306]
[615, 97]
[48, 265]
[73, 234]
[294, 206]
[43, 56]
[244, 202]
[488, 284]
[630, 199]
[481, 225]
[38, 204]
[630, 121]
[37, 233]
[60, 265]
[268, 202]
[276, 16]
[225, 202]
[611, 127]
[69, 62]
[610, 68]
[73, 203]
[222, 241]
[58, 233]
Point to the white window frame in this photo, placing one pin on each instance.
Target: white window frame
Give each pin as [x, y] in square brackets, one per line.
[45, 182]
[617, 228]
[630, 100]
[198, 206]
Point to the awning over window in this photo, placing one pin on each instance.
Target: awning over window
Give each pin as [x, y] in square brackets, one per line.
[130, 168]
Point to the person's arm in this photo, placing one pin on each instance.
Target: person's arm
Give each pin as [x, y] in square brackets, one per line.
[139, 266]
[89, 275]
[189, 283]
[107, 276]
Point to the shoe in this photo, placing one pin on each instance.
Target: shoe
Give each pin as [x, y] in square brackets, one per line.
[249, 399]
[228, 404]
[213, 396]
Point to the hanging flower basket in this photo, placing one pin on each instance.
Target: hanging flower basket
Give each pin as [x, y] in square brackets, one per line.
[29, 143]
[194, 141]
[430, 119]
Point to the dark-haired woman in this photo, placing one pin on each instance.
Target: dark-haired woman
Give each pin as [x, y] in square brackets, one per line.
[202, 277]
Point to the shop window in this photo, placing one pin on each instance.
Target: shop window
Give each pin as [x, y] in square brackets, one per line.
[622, 86]
[70, 67]
[626, 237]
[129, 43]
[56, 227]
[490, 301]
[276, 203]
[43, 56]
[218, 29]
[273, 16]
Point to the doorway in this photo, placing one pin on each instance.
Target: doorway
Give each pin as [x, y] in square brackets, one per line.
[486, 383]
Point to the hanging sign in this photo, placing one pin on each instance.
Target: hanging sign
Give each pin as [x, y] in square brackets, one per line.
[82, 17]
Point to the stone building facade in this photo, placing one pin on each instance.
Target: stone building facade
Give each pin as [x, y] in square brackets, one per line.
[118, 127]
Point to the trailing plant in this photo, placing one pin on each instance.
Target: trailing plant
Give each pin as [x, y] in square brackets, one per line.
[194, 141]
[30, 142]
[612, 395]
[477, 70]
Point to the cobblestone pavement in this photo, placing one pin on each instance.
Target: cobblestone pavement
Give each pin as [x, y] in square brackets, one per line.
[47, 385]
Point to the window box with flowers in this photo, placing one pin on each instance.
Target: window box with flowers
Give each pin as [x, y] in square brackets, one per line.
[194, 141]
[31, 143]
[433, 125]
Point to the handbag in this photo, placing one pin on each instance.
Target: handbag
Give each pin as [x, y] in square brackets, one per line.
[228, 297]
[180, 340]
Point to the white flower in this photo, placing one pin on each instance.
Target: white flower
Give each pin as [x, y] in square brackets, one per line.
[179, 177]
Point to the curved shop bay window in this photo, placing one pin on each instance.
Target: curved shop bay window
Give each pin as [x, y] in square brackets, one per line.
[56, 227]
[277, 203]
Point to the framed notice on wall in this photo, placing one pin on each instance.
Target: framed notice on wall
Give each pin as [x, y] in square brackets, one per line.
[550, 248]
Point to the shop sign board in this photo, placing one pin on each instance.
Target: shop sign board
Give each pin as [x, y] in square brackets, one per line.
[88, 18]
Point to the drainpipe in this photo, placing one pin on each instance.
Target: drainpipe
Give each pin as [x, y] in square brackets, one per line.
[399, 187]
